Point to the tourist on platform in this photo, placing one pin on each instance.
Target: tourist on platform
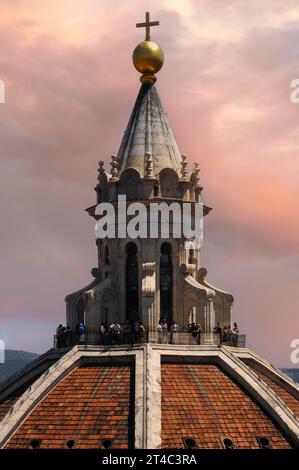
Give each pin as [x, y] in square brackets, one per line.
[63, 337]
[127, 332]
[68, 336]
[194, 332]
[218, 331]
[141, 332]
[164, 327]
[235, 333]
[136, 326]
[81, 333]
[59, 336]
[229, 335]
[103, 333]
[199, 333]
[159, 331]
[224, 338]
[115, 330]
[174, 328]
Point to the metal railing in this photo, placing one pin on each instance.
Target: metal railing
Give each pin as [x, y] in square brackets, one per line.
[179, 338]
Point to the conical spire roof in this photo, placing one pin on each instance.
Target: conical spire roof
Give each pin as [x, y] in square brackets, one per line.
[149, 130]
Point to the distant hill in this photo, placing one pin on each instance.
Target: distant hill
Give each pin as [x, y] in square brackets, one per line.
[293, 373]
[14, 360]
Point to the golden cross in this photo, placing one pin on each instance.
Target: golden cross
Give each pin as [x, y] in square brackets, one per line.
[147, 25]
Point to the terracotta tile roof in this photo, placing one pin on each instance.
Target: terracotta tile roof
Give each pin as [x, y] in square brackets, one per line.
[90, 404]
[6, 404]
[202, 402]
[287, 397]
[13, 397]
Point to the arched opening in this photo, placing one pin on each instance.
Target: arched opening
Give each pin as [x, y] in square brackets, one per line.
[132, 295]
[168, 183]
[129, 184]
[166, 282]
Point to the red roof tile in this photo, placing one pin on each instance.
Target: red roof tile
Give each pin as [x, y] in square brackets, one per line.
[6, 404]
[13, 397]
[278, 388]
[203, 402]
[92, 403]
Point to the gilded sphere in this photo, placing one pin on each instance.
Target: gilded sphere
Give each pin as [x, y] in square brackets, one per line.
[148, 57]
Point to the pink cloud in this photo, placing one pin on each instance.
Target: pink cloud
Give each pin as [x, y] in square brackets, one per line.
[225, 85]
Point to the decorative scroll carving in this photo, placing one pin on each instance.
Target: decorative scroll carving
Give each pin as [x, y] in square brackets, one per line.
[96, 273]
[148, 279]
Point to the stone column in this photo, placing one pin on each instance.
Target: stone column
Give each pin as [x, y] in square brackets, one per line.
[148, 295]
[92, 317]
[121, 277]
[209, 319]
[152, 415]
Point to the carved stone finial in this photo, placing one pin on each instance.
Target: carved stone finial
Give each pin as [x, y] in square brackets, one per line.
[101, 169]
[196, 168]
[184, 170]
[149, 165]
[195, 171]
[114, 168]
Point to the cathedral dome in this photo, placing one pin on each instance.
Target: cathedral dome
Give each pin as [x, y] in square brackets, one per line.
[177, 379]
[203, 396]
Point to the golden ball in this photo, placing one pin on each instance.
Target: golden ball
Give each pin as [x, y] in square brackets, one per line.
[148, 57]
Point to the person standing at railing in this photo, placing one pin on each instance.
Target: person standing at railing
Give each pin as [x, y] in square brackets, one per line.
[81, 333]
[199, 332]
[225, 335]
[127, 332]
[136, 335]
[159, 331]
[218, 331]
[103, 333]
[164, 331]
[194, 332]
[235, 333]
[174, 328]
[229, 335]
[59, 336]
[68, 336]
[115, 332]
[141, 332]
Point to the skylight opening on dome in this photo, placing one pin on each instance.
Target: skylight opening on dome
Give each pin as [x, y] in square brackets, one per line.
[70, 443]
[264, 442]
[227, 442]
[34, 443]
[189, 443]
[107, 443]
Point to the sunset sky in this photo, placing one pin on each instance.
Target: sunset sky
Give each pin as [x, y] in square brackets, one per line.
[70, 87]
